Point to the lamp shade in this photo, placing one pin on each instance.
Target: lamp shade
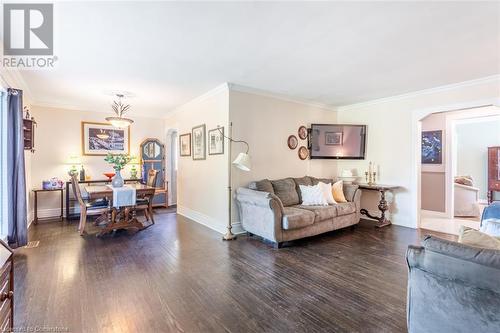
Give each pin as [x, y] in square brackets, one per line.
[242, 162]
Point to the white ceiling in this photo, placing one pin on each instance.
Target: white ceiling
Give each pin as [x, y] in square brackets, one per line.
[330, 53]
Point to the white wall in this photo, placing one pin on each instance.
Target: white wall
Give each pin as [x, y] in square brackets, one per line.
[58, 136]
[473, 140]
[265, 122]
[202, 184]
[392, 138]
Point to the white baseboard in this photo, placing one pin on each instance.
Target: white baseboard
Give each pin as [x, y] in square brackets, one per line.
[201, 218]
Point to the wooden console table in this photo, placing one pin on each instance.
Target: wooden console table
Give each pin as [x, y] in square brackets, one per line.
[382, 205]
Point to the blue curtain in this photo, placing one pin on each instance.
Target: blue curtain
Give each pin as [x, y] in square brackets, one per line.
[16, 181]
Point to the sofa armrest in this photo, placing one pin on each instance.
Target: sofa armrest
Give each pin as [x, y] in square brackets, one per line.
[350, 192]
[261, 213]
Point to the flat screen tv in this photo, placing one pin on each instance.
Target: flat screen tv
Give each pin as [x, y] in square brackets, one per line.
[337, 141]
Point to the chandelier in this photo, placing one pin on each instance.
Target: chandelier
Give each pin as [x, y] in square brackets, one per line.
[120, 109]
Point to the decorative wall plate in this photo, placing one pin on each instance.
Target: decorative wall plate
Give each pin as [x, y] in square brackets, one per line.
[303, 153]
[302, 132]
[292, 142]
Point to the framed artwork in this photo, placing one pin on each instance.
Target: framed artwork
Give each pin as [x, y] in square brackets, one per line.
[303, 153]
[334, 138]
[302, 132]
[99, 139]
[216, 141]
[292, 142]
[185, 144]
[199, 142]
[432, 147]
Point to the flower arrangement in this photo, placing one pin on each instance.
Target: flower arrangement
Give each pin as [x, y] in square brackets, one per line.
[118, 161]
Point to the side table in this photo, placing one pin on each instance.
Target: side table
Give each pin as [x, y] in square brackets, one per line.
[35, 221]
[382, 205]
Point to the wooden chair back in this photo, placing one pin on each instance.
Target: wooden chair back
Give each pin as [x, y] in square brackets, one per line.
[152, 176]
[76, 190]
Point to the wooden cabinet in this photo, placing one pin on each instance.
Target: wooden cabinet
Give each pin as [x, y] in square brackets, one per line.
[493, 171]
[153, 157]
[6, 288]
[29, 134]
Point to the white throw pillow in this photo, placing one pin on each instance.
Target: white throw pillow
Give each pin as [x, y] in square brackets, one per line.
[327, 192]
[491, 227]
[312, 195]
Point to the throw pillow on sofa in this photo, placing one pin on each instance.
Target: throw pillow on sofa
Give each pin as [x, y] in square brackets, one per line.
[476, 238]
[338, 191]
[327, 192]
[312, 195]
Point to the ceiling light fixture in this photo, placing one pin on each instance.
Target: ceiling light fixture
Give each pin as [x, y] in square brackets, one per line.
[120, 109]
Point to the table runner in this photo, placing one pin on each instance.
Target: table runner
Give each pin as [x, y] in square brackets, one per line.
[123, 196]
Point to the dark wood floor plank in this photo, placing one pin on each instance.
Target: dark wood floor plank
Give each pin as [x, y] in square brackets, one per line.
[178, 276]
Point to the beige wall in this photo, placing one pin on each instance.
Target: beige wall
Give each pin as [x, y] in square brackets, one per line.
[202, 184]
[433, 188]
[390, 139]
[265, 123]
[473, 140]
[58, 136]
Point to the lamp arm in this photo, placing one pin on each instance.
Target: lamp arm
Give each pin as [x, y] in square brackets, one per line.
[232, 140]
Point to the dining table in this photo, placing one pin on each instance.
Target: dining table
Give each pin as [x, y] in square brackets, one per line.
[123, 217]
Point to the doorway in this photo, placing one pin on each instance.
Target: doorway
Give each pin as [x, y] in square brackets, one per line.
[453, 166]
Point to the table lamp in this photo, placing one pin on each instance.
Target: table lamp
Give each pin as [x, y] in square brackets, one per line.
[133, 171]
[74, 161]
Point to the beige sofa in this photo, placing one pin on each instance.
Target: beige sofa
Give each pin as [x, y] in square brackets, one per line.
[272, 209]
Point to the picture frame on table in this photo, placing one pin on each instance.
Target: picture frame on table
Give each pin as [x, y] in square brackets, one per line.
[185, 144]
[99, 139]
[216, 141]
[199, 138]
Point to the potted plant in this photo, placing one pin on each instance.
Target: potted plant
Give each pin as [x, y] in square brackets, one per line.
[118, 162]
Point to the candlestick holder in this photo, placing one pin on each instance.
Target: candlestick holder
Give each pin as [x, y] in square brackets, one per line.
[370, 177]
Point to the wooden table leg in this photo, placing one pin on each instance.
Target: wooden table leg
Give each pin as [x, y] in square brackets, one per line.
[383, 207]
[62, 200]
[35, 221]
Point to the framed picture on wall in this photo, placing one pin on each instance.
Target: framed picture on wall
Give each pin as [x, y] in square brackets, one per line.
[185, 144]
[432, 147]
[216, 141]
[334, 138]
[199, 142]
[99, 139]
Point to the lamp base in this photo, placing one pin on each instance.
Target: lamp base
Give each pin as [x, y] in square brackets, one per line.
[229, 236]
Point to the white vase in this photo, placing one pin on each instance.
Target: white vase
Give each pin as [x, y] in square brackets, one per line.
[117, 179]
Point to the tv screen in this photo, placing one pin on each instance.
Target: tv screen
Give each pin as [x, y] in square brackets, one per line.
[337, 141]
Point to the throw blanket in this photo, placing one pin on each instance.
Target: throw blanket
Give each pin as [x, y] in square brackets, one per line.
[123, 196]
[491, 212]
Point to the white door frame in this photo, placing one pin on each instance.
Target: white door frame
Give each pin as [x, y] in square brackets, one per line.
[416, 126]
[168, 156]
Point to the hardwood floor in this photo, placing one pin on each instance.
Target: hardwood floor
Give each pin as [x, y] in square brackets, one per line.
[179, 276]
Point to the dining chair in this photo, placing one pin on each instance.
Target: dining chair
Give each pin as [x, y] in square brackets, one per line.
[143, 204]
[94, 207]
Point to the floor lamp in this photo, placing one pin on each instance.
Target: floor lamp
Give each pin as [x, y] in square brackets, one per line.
[242, 162]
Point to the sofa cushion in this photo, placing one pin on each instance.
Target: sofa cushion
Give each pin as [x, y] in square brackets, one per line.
[294, 218]
[264, 185]
[306, 180]
[285, 190]
[321, 213]
[345, 208]
[476, 238]
[315, 181]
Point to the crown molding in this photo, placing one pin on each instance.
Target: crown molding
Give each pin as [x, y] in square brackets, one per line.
[71, 107]
[224, 87]
[14, 79]
[286, 98]
[448, 87]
